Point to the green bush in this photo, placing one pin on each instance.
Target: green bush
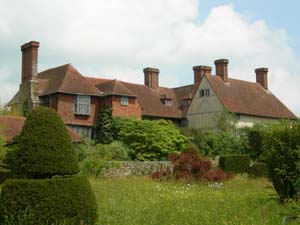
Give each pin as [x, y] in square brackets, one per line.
[237, 163]
[281, 151]
[104, 127]
[118, 151]
[152, 140]
[216, 143]
[96, 158]
[48, 201]
[4, 174]
[258, 169]
[44, 147]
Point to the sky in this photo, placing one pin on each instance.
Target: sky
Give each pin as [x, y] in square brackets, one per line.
[116, 39]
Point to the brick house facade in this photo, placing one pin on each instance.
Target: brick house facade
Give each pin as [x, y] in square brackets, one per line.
[78, 99]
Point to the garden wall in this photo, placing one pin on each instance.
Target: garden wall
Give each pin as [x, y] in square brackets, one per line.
[137, 168]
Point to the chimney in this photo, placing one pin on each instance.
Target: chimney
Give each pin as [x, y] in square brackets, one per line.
[262, 77]
[200, 71]
[222, 69]
[151, 77]
[29, 60]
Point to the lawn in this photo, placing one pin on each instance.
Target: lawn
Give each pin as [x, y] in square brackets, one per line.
[140, 200]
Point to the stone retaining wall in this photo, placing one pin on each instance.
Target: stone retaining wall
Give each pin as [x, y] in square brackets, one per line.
[137, 168]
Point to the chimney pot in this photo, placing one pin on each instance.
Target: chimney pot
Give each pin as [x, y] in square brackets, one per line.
[222, 68]
[262, 77]
[200, 71]
[151, 77]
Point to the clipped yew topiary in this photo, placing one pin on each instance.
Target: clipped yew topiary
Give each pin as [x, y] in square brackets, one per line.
[44, 147]
[49, 192]
[48, 201]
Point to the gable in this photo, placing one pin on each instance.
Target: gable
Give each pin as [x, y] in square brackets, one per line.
[203, 109]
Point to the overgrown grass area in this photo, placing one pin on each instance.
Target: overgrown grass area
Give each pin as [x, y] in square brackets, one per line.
[140, 200]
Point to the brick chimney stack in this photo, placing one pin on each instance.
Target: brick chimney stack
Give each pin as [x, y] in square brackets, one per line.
[200, 71]
[29, 60]
[262, 77]
[151, 77]
[222, 69]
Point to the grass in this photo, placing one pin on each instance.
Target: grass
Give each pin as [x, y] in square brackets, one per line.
[140, 200]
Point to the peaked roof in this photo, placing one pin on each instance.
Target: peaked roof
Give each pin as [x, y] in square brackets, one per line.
[65, 79]
[10, 126]
[248, 98]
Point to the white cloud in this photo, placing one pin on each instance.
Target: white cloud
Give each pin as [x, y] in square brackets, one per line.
[119, 38]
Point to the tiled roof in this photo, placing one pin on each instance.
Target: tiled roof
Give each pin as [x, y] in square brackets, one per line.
[11, 126]
[114, 87]
[236, 95]
[248, 98]
[65, 79]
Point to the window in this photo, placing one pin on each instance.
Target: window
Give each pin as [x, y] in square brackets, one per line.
[82, 104]
[204, 92]
[168, 102]
[82, 130]
[124, 100]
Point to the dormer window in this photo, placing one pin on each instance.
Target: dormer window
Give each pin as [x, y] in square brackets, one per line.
[82, 104]
[166, 100]
[204, 92]
[124, 100]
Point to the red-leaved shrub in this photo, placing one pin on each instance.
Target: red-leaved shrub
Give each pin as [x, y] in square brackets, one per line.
[190, 165]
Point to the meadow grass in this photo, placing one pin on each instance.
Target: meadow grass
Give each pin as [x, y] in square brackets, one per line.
[141, 200]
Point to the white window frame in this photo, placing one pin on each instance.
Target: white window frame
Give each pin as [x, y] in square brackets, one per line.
[82, 104]
[168, 102]
[124, 100]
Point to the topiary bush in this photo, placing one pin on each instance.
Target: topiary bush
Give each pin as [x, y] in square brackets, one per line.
[48, 201]
[258, 169]
[44, 150]
[44, 147]
[237, 163]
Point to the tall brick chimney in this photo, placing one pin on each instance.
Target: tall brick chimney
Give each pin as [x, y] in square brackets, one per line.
[29, 60]
[222, 69]
[200, 71]
[262, 77]
[151, 77]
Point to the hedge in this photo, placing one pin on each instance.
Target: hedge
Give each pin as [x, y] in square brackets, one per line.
[259, 169]
[237, 163]
[4, 174]
[67, 200]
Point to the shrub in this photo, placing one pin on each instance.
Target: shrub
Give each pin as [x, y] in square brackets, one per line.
[281, 150]
[152, 140]
[44, 147]
[237, 163]
[104, 127]
[216, 143]
[4, 174]
[96, 157]
[48, 201]
[190, 165]
[118, 150]
[258, 169]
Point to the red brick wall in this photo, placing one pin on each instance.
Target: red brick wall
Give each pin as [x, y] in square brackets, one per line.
[65, 108]
[133, 109]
